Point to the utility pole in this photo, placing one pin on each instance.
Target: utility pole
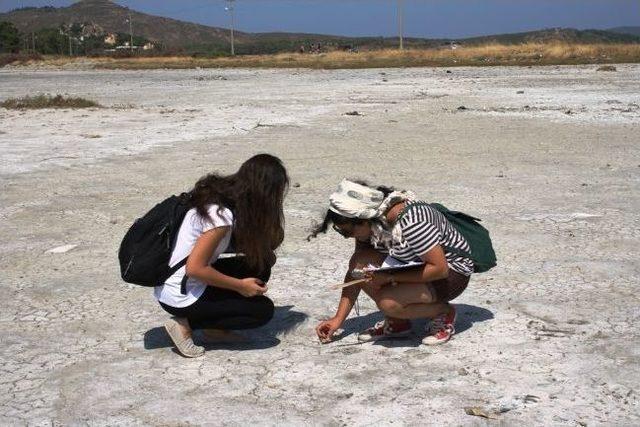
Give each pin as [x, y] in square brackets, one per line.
[69, 32]
[230, 8]
[33, 42]
[400, 24]
[130, 32]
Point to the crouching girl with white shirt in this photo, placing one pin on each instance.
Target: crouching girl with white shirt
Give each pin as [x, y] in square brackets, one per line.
[221, 294]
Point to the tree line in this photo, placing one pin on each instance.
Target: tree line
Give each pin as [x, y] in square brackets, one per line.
[64, 40]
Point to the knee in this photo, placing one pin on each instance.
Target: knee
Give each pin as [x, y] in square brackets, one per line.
[390, 307]
[263, 309]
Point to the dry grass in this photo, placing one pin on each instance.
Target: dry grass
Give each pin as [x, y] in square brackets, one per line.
[18, 58]
[47, 101]
[494, 54]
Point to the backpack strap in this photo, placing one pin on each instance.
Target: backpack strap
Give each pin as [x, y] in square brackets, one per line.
[178, 266]
[183, 285]
[449, 249]
[408, 207]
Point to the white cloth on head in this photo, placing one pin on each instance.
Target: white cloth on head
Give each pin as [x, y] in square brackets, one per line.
[383, 236]
[353, 200]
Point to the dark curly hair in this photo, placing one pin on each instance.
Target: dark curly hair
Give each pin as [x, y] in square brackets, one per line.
[255, 195]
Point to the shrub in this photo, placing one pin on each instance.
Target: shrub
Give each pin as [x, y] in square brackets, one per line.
[47, 101]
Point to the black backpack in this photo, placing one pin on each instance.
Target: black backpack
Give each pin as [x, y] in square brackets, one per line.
[146, 248]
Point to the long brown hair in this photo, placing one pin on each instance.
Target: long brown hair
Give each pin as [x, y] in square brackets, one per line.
[255, 195]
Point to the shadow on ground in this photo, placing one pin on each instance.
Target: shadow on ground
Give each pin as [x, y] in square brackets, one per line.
[467, 315]
[285, 320]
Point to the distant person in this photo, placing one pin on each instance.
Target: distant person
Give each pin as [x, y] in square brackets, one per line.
[390, 226]
[215, 294]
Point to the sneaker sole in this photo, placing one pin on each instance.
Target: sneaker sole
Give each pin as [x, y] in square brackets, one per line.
[433, 343]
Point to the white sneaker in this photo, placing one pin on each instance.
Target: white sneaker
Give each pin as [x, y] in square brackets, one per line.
[185, 346]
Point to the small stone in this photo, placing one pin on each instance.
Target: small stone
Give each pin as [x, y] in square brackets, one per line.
[463, 372]
[296, 185]
[481, 412]
[520, 92]
[61, 249]
[462, 108]
[608, 68]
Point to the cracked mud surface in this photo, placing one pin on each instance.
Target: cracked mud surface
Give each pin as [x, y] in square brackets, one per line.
[547, 338]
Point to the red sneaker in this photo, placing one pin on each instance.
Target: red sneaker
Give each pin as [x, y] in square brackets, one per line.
[441, 329]
[386, 330]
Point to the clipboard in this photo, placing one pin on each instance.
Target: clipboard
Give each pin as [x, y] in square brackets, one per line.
[387, 269]
[399, 267]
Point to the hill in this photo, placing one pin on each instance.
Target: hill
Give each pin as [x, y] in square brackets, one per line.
[104, 16]
[566, 35]
[626, 30]
[112, 18]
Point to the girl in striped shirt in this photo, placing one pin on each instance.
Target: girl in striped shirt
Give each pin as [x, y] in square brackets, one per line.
[391, 226]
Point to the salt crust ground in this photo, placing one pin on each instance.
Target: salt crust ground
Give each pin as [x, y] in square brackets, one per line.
[548, 338]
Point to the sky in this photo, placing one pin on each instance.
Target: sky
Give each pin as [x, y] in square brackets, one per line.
[421, 18]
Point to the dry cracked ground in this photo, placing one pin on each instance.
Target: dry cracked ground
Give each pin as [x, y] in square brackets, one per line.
[547, 157]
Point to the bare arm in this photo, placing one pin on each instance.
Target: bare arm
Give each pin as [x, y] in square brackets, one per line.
[198, 266]
[362, 256]
[347, 300]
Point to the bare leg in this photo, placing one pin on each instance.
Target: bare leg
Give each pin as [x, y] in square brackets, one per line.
[408, 301]
[362, 257]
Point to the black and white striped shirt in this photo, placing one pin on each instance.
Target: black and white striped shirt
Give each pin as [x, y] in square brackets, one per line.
[423, 227]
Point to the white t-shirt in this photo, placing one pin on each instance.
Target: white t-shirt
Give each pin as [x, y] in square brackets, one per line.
[193, 226]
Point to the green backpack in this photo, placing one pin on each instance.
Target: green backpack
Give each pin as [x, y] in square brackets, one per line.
[482, 253]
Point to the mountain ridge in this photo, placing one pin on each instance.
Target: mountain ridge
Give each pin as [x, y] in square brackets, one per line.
[173, 33]
[635, 31]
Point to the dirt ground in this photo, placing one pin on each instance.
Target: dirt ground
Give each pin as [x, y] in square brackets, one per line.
[548, 157]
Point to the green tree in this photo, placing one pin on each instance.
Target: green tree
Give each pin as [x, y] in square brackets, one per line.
[9, 38]
[51, 41]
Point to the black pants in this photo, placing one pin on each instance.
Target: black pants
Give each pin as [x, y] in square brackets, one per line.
[219, 308]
